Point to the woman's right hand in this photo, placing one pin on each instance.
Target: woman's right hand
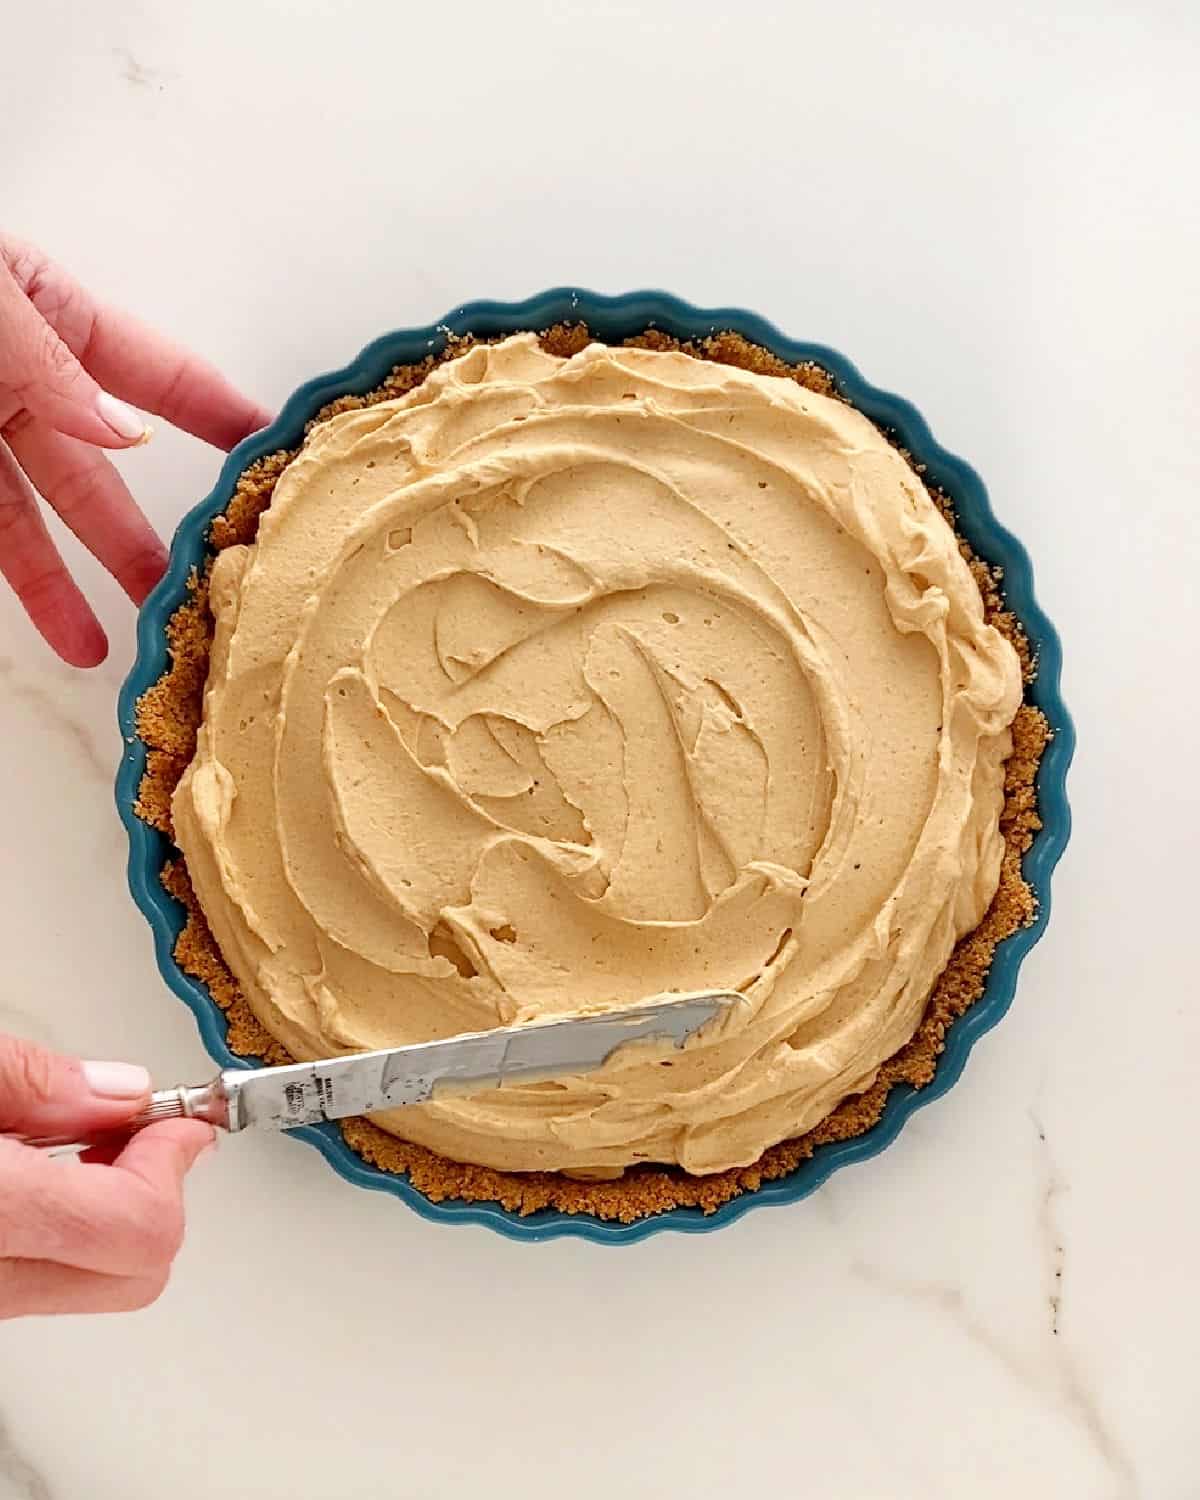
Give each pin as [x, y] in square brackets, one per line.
[98, 1236]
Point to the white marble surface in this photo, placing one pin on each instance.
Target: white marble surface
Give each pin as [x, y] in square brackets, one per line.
[991, 209]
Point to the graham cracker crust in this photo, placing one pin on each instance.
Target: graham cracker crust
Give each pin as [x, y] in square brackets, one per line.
[169, 713]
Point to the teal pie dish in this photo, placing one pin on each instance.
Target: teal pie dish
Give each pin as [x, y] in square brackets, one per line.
[611, 319]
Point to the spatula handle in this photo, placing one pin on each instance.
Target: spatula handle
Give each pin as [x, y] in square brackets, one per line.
[205, 1101]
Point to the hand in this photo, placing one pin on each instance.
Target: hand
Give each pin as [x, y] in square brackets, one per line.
[99, 1236]
[64, 361]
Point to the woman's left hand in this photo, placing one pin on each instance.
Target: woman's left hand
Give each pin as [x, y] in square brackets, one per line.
[68, 365]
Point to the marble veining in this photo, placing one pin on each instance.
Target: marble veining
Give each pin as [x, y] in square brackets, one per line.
[50, 706]
[1070, 1375]
[1051, 1187]
[1049, 1366]
[141, 75]
[19, 1480]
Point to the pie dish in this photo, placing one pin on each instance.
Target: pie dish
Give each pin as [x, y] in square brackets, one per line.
[657, 626]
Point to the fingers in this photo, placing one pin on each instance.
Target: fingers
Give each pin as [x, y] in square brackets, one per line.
[31, 1288]
[39, 370]
[133, 361]
[92, 498]
[154, 373]
[161, 1155]
[120, 1220]
[42, 1093]
[31, 563]
[103, 1155]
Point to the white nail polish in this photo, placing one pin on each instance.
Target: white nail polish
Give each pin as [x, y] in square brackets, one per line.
[123, 420]
[116, 1080]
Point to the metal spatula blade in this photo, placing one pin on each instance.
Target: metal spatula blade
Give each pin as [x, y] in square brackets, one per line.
[366, 1082]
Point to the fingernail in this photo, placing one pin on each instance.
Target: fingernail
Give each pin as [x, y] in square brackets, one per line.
[116, 1080]
[83, 642]
[123, 420]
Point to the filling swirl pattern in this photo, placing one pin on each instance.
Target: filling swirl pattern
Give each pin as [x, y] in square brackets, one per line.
[557, 684]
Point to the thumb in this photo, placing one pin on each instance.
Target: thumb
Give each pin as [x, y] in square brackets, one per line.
[45, 377]
[42, 1093]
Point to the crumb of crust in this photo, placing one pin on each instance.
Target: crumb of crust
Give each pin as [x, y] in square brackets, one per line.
[238, 523]
[168, 715]
[168, 712]
[197, 954]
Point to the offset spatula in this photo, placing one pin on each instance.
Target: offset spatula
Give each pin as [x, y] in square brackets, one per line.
[365, 1082]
